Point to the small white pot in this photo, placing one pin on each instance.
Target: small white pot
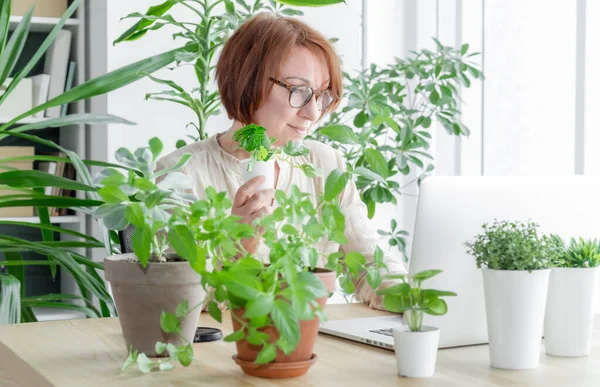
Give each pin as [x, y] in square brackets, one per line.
[264, 168]
[570, 311]
[515, 302]
[416, 352]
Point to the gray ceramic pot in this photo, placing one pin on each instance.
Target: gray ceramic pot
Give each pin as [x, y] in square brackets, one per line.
[142, 294]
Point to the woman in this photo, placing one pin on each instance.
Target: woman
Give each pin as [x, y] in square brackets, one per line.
[279, 73]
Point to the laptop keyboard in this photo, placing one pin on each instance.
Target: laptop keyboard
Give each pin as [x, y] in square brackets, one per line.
[386, 331]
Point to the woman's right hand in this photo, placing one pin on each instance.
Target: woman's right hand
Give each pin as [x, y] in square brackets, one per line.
[250, 205]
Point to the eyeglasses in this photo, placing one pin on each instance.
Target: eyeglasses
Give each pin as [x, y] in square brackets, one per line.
[300, 95]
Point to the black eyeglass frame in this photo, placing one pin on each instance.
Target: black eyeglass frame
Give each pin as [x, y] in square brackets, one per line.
[314, 93]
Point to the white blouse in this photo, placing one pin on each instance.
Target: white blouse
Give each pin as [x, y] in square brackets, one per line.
[210, 165]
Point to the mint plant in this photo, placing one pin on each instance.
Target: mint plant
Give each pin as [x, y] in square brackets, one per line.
[409, 298]
[579, 253]
[506, 245]
[284, 292]
[254, 140]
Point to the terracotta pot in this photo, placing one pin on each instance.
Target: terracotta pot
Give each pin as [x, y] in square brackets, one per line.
[303, 355]
[142, 294]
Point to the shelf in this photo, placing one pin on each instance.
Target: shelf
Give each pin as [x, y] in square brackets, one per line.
[35, 219]
[52, 314]
[42, 24]
[26, 120]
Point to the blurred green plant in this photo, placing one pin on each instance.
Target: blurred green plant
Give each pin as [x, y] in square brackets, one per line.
[581, 253]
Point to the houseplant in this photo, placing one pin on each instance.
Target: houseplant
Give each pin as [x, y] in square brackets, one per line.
[415, 345]
[571, 297]
[254, 140]
[29, 185]
[276, 307]
[515, 261]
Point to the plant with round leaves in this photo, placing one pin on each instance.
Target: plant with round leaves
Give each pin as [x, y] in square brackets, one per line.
[410, 298]
[254, 140]
[581, 253]
[513, 245]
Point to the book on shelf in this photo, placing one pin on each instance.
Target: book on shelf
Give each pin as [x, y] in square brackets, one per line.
[19, 100]
[41, 84]
[56, 64]
[9, 152]
[43, 8]
[68, 85]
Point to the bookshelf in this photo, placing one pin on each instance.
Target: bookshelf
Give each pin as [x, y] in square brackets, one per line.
[71, 137]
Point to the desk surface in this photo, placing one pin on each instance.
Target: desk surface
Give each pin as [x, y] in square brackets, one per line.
[90, 353]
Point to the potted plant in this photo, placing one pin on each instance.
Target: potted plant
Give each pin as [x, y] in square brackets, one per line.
[415, 345]
[571, 297]
[254, 140]
[164, 271]
[276, 307]
[515, 262]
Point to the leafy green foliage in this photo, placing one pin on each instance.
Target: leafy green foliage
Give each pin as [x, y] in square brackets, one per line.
[254, 140]
[580, 253]
[410, 298]
[384, 130]
[203, 35]
[506, 245]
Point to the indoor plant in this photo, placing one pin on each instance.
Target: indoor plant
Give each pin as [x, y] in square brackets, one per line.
[149, 284]
[276, 307]
[29, 185]
[254, 140]
[571, 296]
[515, 262]
[415, 345]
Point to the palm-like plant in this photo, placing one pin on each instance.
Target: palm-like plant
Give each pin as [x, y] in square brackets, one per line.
[28, 186]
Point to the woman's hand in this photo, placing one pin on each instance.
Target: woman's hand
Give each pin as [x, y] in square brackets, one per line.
[250, 205]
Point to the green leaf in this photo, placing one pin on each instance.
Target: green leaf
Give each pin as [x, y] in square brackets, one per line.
[287, 324]
[141, 241]
[214, 311]
[12, 51]
[340, 133]
[267, 354]
[436, 307]
[464, 48]
[377, 162]
[374, 278]
[39, 179]
[160, 347]
[310, 170]
[165, 366]
[156, 146]
[144, 363]
[426, 274]
[396, 304]
[156, 10]
[397, 290]
[335, 183]
[131, 359]
[135, 214]
[169, 323]
[367, 173]
[360, 119]
[355, 261]
[235, 336]
[378, 255]
[183, 242]
[312, 284]
[182, 309]
[262, 306]
[182, 161]
[186, 355]
[245, 286]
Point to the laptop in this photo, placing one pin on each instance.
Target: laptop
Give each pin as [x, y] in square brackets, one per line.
[450, 211]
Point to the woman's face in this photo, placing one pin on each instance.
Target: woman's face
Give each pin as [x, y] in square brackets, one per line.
[275, 113]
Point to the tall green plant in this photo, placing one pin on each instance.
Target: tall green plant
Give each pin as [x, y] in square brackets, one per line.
[383, 129]
[28, 186]
[208, 30]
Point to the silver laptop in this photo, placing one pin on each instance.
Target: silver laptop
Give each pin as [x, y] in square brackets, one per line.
[450, 212]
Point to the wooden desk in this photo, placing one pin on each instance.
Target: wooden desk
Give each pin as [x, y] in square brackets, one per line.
[90, 353]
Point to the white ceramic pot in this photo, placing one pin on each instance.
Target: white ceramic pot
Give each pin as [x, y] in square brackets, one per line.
[515, 302]
[264, 168]
[416, 352]
[570, 311]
